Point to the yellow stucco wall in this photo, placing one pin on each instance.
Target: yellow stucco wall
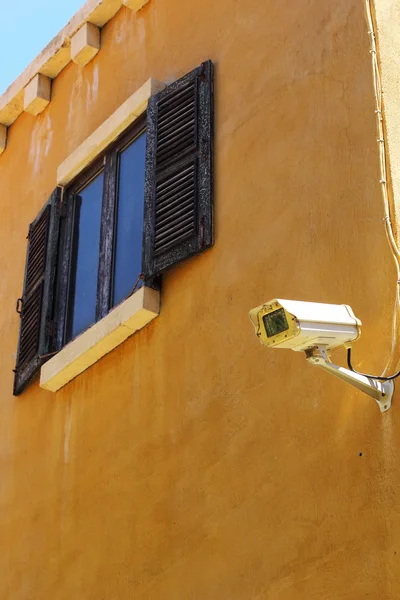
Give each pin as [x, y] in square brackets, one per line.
[191, 463]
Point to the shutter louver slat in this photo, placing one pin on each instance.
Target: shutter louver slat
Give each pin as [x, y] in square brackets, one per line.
[174, 139]
[177, 132]
[179, 221]
[183, 214]
[171, 102]
[32, 299]
[164, 188]
[180, 207]
[167, 202]
[37, 251]
[178, 191]
[30, 326]
[37, 299]
[181, 202]
[185, 111]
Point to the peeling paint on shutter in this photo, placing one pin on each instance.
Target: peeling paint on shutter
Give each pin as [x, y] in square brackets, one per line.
[179, 180]
[38, 295]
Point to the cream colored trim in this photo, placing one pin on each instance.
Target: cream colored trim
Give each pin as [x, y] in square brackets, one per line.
[135, 5]
[55, 56]
[85, 44]
[122, 322]
[130, 110]
[3, 138]
[37, 94]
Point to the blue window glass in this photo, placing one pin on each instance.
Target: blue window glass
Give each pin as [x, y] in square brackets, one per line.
[86, 243]
[129, 223]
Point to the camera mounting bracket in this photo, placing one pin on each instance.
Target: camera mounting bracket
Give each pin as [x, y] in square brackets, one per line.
[381, 391]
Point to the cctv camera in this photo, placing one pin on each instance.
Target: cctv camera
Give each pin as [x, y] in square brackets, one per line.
[303, 325]
[317, 328]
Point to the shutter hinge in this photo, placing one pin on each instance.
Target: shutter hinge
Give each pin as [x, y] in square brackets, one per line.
[18, 306]
[61, 209]
[203, 74]
[51, 329]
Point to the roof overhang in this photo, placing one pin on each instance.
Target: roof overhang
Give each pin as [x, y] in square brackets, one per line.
[57, 54]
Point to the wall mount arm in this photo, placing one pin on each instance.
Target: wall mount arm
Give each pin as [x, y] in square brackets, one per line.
[381, 391]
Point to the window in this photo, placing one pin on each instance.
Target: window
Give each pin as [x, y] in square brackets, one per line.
[138, 210]
[85, 256]
[104, 229]
[129, 220]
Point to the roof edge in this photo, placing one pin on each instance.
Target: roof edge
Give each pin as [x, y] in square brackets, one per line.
[55, 56]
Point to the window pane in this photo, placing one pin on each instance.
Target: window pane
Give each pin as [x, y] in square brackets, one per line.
[129, 230]
[86, 242]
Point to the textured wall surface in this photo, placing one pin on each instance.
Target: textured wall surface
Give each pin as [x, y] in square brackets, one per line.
[191, 463]
[387, 19]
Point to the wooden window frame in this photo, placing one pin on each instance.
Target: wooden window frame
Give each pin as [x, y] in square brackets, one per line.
[108, 162]
[177, 222]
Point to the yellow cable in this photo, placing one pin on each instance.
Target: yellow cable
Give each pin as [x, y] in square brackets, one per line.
[383, 168]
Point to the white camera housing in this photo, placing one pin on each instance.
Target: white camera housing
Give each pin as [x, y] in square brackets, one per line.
[317, 328]
[304, 325]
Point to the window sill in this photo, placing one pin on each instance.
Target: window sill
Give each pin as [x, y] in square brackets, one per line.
[122, 322]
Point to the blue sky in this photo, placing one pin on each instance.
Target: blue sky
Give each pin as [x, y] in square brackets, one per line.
[27, 26]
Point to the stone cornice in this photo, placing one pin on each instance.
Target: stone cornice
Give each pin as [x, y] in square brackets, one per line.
[56, 56]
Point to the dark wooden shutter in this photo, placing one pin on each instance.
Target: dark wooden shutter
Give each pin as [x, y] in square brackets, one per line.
[178, 219]
[37, 330]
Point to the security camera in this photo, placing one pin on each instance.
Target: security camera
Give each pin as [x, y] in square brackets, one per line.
[303, 325]
[316, 329]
